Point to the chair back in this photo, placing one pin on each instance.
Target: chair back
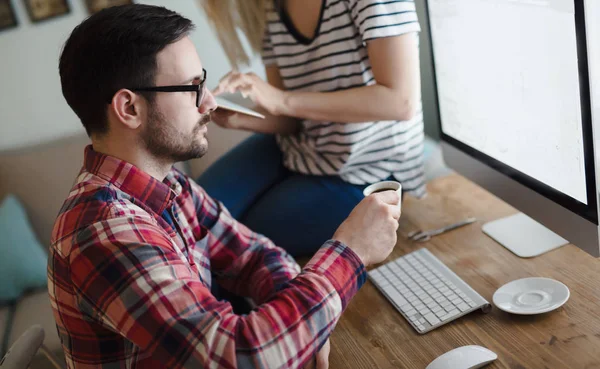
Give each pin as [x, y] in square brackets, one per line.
[21, 353]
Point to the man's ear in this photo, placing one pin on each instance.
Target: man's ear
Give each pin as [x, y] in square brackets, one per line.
[128, 108]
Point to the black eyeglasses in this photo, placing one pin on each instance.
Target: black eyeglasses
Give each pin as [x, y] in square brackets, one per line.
[199, 88]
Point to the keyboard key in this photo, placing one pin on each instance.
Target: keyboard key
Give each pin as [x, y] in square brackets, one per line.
[396, 297]
[432, 319]
[424, 310]
[432, 304]
[451, 314]
[379, 281]
[446, 317]
[419, 306]
[463, 307]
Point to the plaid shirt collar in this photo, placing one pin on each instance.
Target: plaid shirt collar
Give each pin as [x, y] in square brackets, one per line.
[130, 179]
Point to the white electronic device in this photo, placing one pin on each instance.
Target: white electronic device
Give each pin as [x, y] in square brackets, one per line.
[231, 106]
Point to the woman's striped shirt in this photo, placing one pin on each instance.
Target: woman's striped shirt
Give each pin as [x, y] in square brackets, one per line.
[336, 59]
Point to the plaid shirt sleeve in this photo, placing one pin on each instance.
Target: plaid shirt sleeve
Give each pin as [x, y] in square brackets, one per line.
[144, 291]
[244, 262]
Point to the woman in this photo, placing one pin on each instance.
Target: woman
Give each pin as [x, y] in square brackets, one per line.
[343, 106]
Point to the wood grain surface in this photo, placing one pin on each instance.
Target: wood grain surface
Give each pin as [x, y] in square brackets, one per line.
[373, 334]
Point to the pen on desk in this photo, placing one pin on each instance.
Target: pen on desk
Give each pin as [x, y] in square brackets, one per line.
[426, 235]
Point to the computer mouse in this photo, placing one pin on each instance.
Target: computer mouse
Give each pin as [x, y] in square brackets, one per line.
[465, 357]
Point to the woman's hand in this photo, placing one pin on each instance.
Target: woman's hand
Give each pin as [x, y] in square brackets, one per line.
[225, 118]
[263, 94]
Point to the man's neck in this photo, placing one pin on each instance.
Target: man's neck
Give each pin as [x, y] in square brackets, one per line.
[135, 155]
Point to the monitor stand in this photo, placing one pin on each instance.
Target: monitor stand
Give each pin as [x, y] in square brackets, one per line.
[523, 236]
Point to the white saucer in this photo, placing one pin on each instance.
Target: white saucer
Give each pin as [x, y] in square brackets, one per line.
[530, 296]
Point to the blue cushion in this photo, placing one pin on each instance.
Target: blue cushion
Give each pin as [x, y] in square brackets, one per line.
[22, 259]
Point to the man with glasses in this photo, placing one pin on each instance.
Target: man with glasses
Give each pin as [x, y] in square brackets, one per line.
[138, 246]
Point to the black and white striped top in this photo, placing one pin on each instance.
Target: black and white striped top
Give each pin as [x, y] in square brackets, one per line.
[336, 59]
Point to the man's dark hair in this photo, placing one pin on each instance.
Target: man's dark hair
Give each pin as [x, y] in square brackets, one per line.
[113, 49]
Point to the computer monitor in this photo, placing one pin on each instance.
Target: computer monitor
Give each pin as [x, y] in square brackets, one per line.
[513, 94]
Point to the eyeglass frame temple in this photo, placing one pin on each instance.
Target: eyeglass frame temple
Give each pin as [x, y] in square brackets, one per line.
[199, 88]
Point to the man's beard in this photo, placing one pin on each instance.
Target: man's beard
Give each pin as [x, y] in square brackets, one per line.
[166, 143]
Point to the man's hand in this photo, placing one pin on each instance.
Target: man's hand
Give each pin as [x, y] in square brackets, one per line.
[321, 361]
[370, 229]
[271, 98]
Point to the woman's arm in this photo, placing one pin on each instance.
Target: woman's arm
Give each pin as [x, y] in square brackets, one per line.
[273, 123]
[395, 96]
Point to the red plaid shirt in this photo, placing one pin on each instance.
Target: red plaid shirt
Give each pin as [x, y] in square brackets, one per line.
[130, 276]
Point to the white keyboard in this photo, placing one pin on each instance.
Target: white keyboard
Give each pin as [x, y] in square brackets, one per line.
[426, 291]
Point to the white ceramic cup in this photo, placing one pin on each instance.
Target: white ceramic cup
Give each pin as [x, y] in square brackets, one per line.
[385, 185]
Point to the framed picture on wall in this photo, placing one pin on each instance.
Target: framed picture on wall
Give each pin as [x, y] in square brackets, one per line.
[40, 10]
[8, 19]
[97, 5]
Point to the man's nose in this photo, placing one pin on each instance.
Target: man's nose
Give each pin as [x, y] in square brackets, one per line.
[208, 103]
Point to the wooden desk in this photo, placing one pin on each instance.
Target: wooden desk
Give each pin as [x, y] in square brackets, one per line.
[372, 334]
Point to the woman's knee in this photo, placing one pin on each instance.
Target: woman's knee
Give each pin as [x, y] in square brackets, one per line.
[301, 213]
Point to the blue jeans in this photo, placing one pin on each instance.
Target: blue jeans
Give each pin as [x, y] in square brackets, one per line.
[297, 212]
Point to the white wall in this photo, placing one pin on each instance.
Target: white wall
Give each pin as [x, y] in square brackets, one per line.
[32, 108]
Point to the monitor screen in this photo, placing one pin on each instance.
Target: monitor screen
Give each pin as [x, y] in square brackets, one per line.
[513, 91]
